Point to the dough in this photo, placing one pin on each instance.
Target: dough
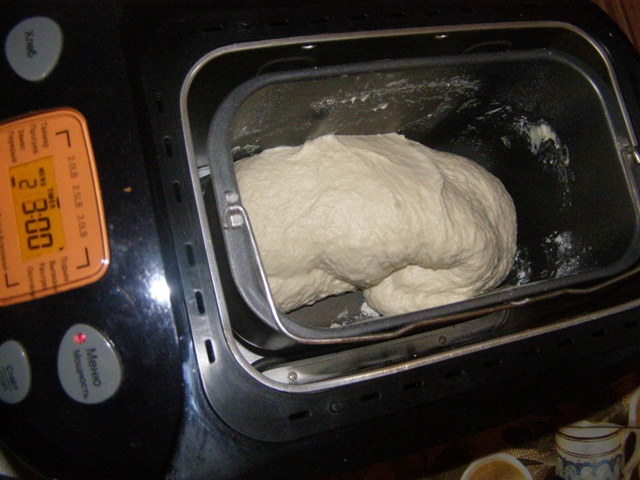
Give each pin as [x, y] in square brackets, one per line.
[413, 227]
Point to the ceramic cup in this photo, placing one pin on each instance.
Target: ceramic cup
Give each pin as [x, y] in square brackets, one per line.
[499, 466]
[634, 413]
[595, 451]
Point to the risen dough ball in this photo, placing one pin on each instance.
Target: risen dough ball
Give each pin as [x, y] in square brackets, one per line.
[413, 227]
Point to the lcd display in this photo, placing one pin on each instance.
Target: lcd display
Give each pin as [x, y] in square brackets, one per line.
[37, 208]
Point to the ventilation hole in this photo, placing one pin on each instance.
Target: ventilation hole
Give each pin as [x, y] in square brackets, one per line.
[413, 385]
[631, 324]
[531, 353]
[361, 17]
[279, 23]
[159, 103]
[191, 258]
[567, 342]
[300, 415]
[370, 396]
[599, 333]
[493, 363]
[213, 28]
[200, 302]
[168, 147]
[177, 191]
[455, 374]
[208, 344]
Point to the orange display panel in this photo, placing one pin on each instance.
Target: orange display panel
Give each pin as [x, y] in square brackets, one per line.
[52, 228]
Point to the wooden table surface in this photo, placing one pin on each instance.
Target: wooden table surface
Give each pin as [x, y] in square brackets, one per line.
[418, 465]
[627, 14]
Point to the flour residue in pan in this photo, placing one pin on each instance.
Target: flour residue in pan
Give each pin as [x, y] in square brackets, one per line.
[548, 148]
[522, 269]
[379, 98]
[346, 317]
[564, 253]
[245, 151]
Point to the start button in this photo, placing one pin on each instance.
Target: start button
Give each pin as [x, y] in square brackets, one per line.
[88, 366]
[15, 372]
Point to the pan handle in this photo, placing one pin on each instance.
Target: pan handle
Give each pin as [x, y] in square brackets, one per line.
[235, 216]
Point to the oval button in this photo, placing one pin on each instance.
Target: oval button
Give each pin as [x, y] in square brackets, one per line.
[88, 367]
[33, 48]
[15, 372]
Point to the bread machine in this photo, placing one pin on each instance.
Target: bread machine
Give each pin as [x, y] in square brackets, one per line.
[138, 337]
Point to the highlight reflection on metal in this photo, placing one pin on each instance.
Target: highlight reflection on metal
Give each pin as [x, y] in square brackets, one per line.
[159, 290]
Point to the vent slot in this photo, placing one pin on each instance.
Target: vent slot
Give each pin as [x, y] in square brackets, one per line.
[319, 20]
[200, 303]
[246, 25]
[360, 17]
[279, 23]
[299, 415]
[191, 258]
[397, 14]
[413, 385]
[168, 147]
[370, 397]
[208, 345]
[567, 342]
[218, 27]
[159, 103]
[177, 192]
[496, 362]
[455, 374]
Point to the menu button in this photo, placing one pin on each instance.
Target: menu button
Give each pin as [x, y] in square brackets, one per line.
[88, 367]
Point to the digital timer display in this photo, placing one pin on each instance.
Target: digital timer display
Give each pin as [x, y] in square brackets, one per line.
[53, 233]
[37, 208]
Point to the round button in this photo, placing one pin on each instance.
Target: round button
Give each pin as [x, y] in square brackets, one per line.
[15, 372]
[89, 368]
[33, 48]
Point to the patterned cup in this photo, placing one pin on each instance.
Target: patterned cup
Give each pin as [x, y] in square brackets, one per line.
[499, 466]
[595, 451]
[634, 414]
